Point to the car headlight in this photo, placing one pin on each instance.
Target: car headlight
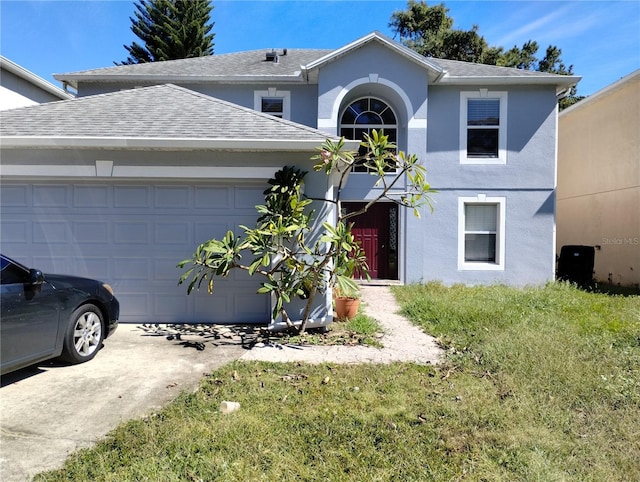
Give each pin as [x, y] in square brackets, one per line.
[108, 288]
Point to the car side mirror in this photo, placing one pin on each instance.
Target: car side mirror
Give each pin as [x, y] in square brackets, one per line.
[36, 278]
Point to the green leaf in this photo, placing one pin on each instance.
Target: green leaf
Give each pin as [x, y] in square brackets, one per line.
[185, 275]
[253, 267]
[191, 286]
[214, 249]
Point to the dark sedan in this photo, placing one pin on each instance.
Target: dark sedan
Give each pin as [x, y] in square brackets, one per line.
[49, 316]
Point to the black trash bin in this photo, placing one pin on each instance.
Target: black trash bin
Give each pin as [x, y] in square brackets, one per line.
[576, 265]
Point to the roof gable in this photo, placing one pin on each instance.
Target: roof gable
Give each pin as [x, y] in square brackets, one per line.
[162, 116]
[444, 71]
[435, 71]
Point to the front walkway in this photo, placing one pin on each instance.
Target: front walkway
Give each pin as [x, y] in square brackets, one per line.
[402, 341]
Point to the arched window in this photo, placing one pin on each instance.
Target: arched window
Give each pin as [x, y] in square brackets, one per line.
[367, 114]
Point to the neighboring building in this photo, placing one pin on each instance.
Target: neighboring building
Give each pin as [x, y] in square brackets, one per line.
[599, 180]
[19, 87]
[125, 184]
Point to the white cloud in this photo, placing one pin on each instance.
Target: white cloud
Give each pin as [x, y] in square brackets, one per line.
[547, 21]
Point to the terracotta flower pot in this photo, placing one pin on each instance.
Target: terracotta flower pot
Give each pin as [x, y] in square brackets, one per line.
[346, 308]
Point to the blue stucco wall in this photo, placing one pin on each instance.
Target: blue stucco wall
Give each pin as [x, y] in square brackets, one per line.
[429, 245]
[429, 126]
[395, 79]
[531, 127]
[374, 70]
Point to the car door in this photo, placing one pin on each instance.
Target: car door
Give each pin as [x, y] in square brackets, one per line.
[29, 320]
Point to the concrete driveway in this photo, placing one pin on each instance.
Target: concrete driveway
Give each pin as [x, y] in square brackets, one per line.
[49, 410]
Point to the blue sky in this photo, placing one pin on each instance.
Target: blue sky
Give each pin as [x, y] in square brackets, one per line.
[601, 39]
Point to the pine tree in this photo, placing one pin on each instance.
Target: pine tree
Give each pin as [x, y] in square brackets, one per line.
[169, 30]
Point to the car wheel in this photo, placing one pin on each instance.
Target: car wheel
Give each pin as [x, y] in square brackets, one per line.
[84, 335]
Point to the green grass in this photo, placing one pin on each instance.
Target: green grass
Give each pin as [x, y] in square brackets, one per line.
[541, 384]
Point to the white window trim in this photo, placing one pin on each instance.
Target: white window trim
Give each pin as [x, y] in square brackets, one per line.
[499, 265]
[502, 128]
[273, 92]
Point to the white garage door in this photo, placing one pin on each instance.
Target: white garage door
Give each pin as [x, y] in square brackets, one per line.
[132, 235]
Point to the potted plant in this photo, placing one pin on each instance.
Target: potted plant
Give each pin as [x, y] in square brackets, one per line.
[346, 296]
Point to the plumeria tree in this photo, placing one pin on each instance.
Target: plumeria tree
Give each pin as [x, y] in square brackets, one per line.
[284, 248]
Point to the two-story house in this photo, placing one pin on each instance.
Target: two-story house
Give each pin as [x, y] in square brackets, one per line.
[153, 159]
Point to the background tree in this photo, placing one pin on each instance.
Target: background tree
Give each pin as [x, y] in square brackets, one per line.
[520, 58]
[429, 31]
[169, 30]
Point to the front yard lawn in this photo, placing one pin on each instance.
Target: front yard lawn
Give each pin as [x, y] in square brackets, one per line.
[538, 384]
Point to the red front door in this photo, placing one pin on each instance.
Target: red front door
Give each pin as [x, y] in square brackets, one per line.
[376, 230]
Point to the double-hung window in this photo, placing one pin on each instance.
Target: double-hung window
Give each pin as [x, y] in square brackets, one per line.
[483, 127]
[273, 102]
[481, 233]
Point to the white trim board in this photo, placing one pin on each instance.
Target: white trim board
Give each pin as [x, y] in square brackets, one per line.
[146, 172]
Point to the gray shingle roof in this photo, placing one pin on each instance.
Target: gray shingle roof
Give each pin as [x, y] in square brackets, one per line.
[458, 68]
[249, 63]
[158, 112]
[254, 66]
